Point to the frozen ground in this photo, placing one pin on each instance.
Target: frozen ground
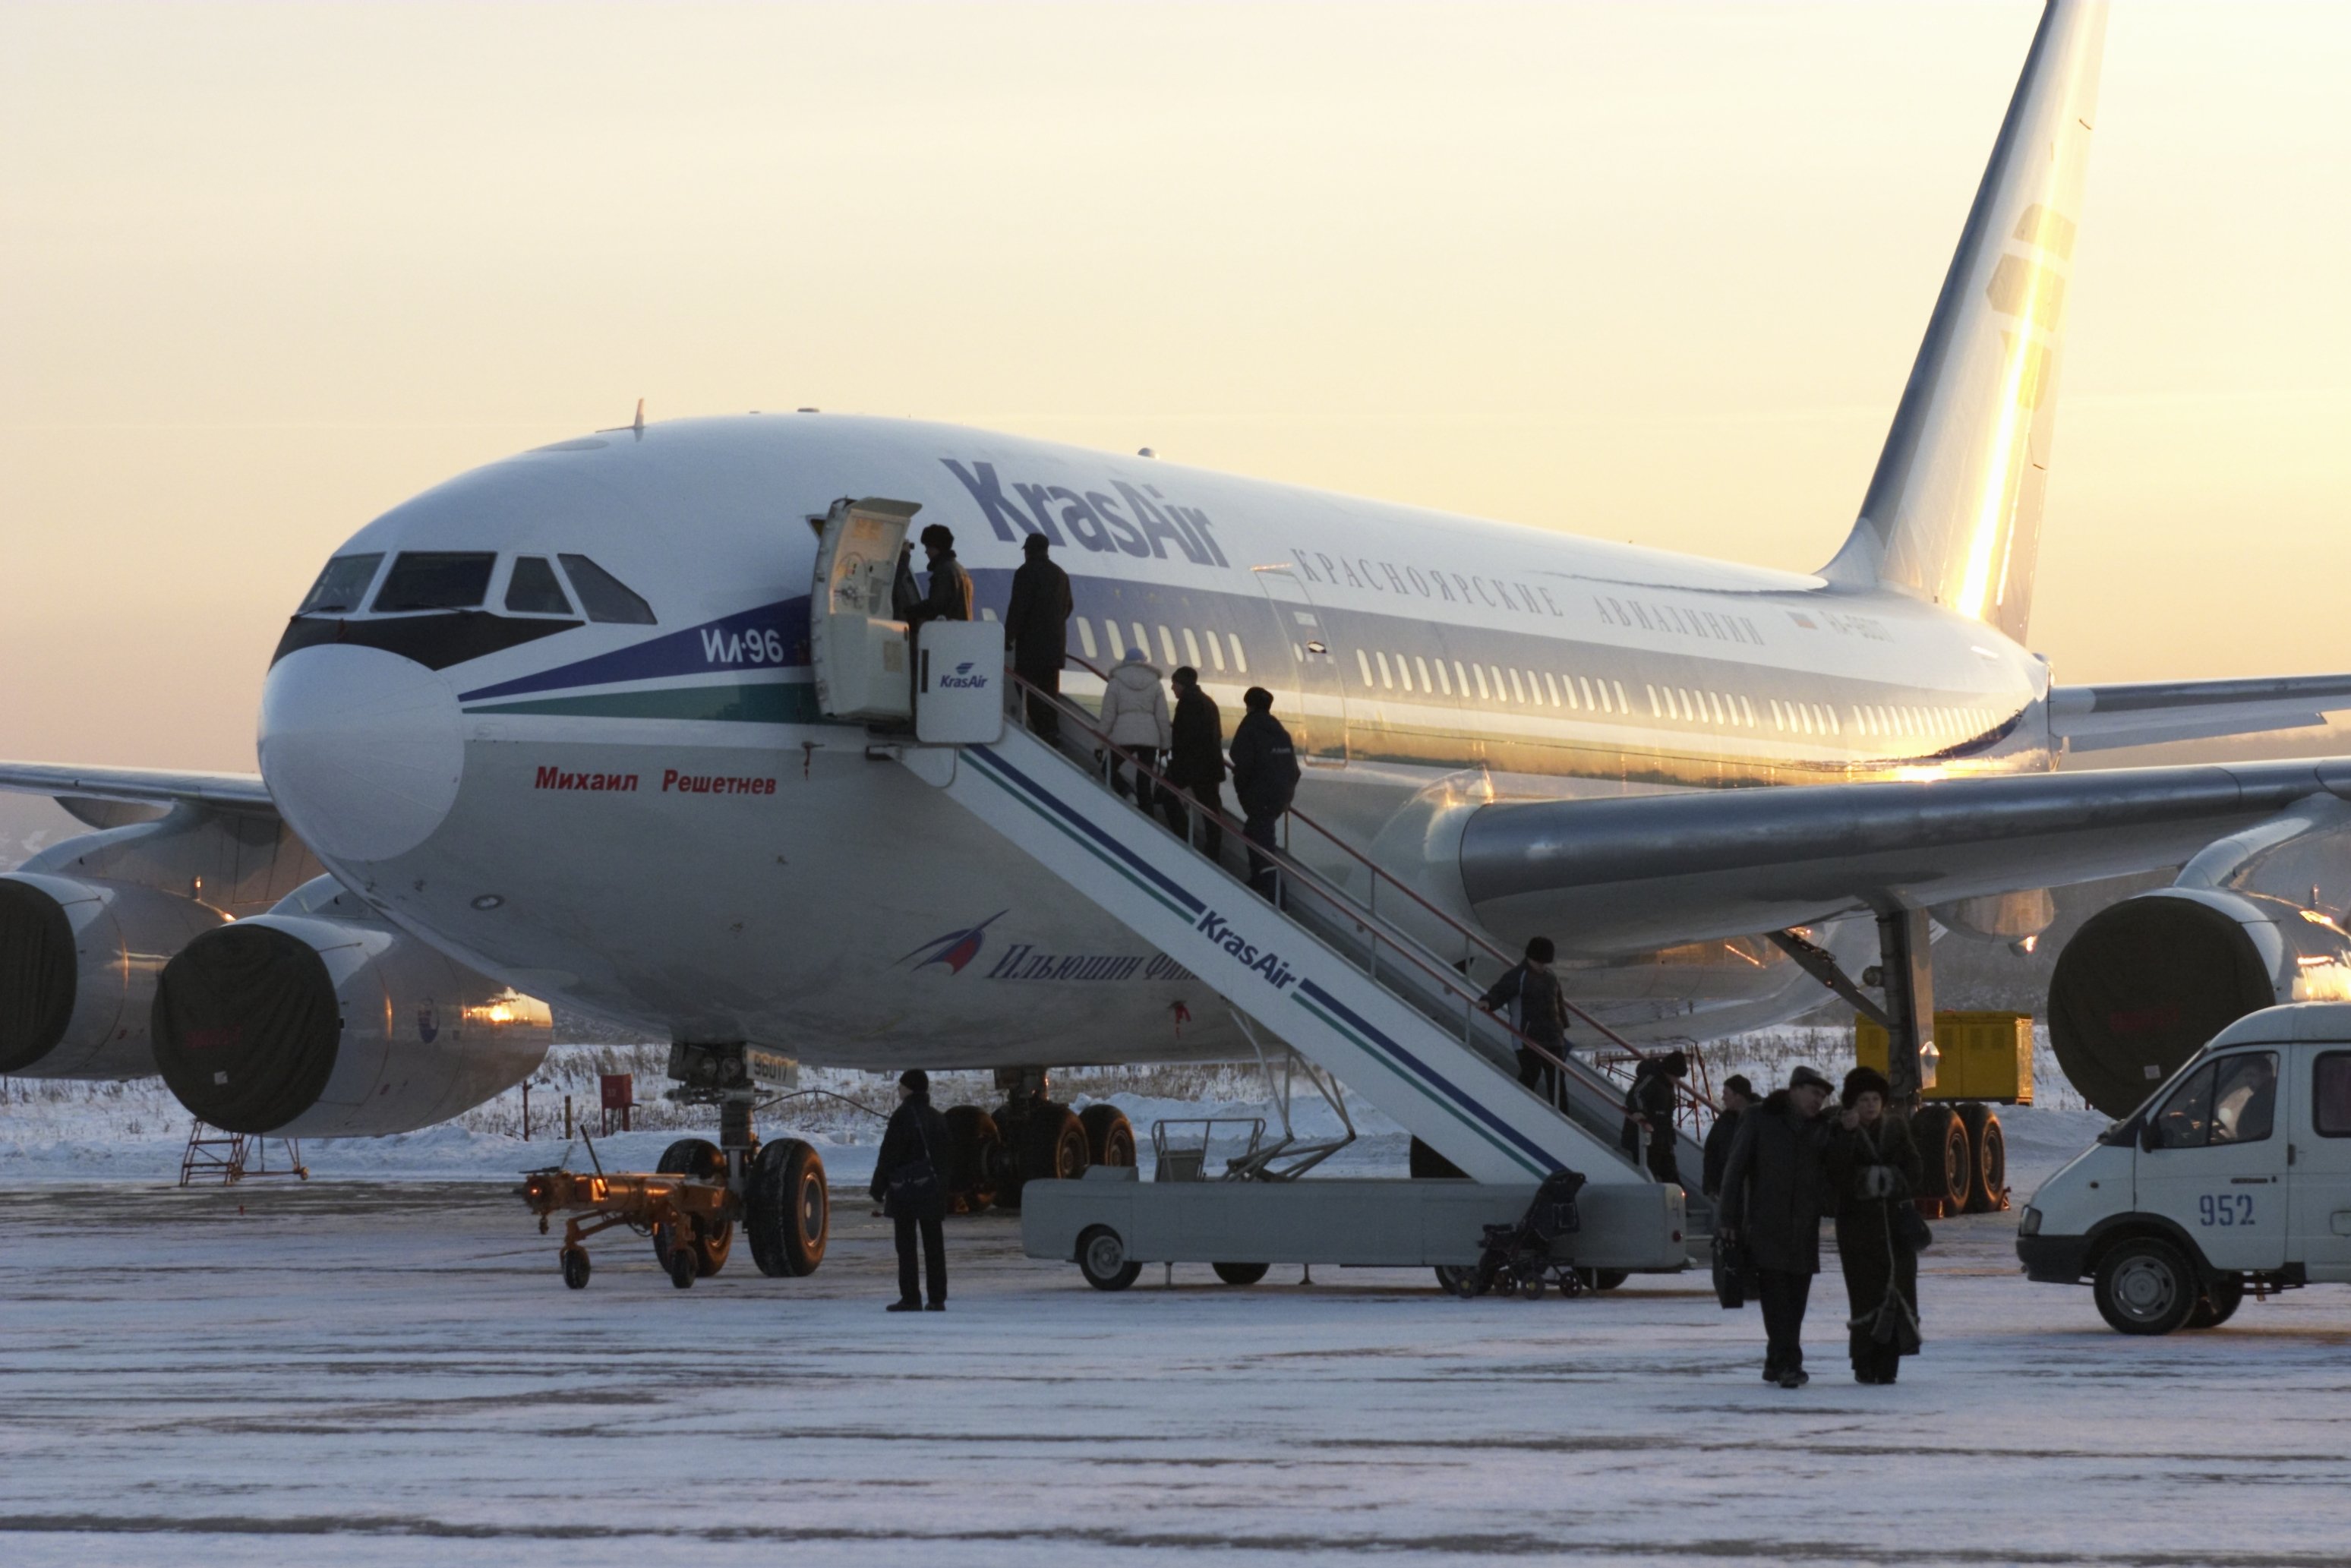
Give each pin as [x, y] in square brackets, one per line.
[368, 1372]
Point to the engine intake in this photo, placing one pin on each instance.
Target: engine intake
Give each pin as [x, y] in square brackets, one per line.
[2146, 983]
[318, 1020]
[79, 961]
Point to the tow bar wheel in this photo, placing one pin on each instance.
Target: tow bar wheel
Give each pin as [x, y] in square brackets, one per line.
[1102, 1259]
[2145, 1287]
[575, 1267]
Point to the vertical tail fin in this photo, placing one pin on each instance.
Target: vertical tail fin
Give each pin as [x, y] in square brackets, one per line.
[1953, 513]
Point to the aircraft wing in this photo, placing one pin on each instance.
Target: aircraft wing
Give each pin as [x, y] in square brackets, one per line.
[2149, 713]
[1628, 875]
[143, 786]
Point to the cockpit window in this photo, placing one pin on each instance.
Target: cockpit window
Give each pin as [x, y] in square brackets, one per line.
[341, 586]
[604, 596]
[437, 579]
[533, 591]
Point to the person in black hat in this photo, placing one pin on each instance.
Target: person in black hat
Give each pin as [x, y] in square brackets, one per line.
[1265, 777]
[1036, 625]
[1773, 1188]
[1873, 1170]
[948, 595]
[1739, 1097]
[1649, 1114]
[910, 1181]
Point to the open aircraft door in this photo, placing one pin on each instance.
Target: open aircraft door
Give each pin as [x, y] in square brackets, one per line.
[859, 652]
[1320, 726]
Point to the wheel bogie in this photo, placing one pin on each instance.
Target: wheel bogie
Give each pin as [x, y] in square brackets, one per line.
[1987, 1154]
[1944, 1154]
[1048, 1143]
[1110, 1136]
[974, 1160]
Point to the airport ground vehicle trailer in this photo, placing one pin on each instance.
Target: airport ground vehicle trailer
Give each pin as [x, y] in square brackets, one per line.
[2234, 1176]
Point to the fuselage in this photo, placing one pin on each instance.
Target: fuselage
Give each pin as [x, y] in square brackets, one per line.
[640, 810]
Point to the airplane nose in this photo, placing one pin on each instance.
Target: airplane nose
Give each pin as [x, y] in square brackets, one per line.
[361, 749]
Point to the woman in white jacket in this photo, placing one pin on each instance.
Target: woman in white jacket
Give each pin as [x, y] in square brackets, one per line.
[1134, 716]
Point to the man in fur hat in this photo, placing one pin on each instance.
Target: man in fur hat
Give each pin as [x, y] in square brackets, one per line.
[1773, 1188]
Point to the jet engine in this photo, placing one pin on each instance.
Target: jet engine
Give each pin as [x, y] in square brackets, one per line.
[79, 961]
[2146, 983]
[317, 1020]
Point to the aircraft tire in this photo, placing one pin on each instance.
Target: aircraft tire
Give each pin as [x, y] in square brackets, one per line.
[1987, 1157]
[1943, 1150]
[975, 1155]
[787, 1212]
[713, 1240]
[1110, 1136]
[1052, 1146]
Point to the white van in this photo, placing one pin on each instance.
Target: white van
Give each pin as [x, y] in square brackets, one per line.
[2237, 1171]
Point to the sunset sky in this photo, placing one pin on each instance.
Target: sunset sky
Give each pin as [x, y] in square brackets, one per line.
[1651, 272]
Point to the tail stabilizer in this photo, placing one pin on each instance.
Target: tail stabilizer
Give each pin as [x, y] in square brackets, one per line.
[1953, 512]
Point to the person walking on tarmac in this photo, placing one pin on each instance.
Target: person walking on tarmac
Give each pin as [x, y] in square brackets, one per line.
[1134, 716]
[1196, 761]
[1265, 779]
[1539, 1011]
[1874, 1170]
[1036, 625]
[909, 1179]
[1773, 1187]
[1738, 1099]
[1649, 1114]
[948, 597]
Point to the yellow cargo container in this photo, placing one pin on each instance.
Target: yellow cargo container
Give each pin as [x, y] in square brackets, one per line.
[1983, 1056]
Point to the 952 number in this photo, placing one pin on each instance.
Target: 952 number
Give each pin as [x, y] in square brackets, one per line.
[2225, 1209]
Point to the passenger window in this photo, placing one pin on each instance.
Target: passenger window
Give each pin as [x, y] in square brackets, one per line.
[1168, 646]
[1363, 661]
[1422, 665]
[533, 591]
[2330, 1098]
[437, 579]
[1216, 651]
[1112, 641]
[1192, 648]
[1142, 639]
[341, 586]
[1444, 681]
[604, 596]
[2232, 1100]
[1240, 659]
[1086, 637]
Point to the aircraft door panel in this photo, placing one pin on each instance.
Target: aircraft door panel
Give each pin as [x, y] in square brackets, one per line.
[1319, 725]
[859, 649]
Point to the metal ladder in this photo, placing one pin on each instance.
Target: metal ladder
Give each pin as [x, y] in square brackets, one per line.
[1354, 991]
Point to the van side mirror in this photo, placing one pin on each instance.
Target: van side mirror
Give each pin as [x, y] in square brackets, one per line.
[2150, 1134]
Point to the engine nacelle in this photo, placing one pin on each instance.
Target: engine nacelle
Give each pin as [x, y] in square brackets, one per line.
[78, 962]
[2146, 982]
[317, 1020]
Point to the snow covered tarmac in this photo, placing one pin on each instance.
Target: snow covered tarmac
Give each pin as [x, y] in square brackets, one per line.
[394, 1373]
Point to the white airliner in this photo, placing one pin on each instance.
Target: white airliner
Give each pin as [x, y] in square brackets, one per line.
[556, 721]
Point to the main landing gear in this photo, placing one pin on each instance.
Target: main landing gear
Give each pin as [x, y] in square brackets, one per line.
[1029, 1137]
[698, 1192]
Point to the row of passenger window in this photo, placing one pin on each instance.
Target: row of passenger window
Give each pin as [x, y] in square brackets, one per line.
[1492, 682]
[1114, 643]
[460, 580]
[1722, 710]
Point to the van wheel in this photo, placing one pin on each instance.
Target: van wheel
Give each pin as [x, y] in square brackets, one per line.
[1602, 1279]
[2145, 1287]
[1102, 1259]
[2220, 1301]
[1451, 1277]
[1240, 1273]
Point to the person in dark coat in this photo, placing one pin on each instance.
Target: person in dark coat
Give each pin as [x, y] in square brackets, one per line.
[917, 1134]
[1738, 1099]
[1265, 779]
[1196, 761]
[1873, 1170]
[1773, 1187]
[1036, 625]
[1649, 1108]
[1539, 1011]
[948, 597]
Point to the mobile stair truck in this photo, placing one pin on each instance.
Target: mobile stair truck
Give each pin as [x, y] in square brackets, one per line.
[1360, 992]
[2234, 1176]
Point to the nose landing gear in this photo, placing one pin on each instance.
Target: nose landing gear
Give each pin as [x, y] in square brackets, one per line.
[689, 1205]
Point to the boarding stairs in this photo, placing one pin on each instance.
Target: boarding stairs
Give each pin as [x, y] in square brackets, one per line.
[1364, 995]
